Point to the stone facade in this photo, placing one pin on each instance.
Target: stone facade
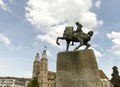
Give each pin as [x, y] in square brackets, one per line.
[48, 78]
[14, 82]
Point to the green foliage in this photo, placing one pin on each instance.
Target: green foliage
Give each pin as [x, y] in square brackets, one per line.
[34, 82]
[115, 80]
[115, 72]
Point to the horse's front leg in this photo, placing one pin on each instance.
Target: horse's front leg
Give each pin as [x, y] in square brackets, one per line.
[68, 43]
[58, 39]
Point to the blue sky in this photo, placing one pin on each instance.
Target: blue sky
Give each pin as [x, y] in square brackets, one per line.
[26, 26]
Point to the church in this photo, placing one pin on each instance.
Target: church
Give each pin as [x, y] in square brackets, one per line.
[40, 68]
[48, 78]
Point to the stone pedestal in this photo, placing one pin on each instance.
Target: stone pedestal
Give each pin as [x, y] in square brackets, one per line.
[77, 69]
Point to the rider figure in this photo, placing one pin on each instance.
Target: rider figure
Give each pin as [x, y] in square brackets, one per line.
[79, 26]
[78, 30]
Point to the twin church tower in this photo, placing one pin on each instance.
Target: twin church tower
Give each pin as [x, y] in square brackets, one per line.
[40, 68]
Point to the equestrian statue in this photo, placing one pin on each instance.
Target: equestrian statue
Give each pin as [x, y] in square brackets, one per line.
[76, 36]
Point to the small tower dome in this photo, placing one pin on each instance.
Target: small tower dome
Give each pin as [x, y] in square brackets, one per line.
[44, 54]
[37, 57]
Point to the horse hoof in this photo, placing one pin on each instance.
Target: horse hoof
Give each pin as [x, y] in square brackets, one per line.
[57, 43]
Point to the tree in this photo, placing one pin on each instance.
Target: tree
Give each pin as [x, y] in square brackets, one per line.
[34, 82]
[115, 80]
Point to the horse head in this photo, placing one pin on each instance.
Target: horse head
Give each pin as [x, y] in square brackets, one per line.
[90, 33]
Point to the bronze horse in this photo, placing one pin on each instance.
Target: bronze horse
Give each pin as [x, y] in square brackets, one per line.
[80, 37]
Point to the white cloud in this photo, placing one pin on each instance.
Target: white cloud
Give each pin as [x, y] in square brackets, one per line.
[2, 67]
[98, 3]
[46, 38]
[49, 53]
[19, 47]
[51, 35]
[11, 1]
[100, 22]
[51, 16]
[97, 53]
[115, 36]
[4, 6]
[16, 48]
[4, 39]
[27, 75]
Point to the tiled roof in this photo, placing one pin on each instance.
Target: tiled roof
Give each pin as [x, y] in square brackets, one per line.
[51, 73]
[102, 75]
[15, 78]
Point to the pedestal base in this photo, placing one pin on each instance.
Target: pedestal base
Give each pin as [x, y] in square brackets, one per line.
[77, 69]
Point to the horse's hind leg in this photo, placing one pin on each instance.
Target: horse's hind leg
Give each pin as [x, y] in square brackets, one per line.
[81, 44]
[87, 45]
[78, 47]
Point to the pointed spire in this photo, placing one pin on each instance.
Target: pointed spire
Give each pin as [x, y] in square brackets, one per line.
[44, 55]
[37, 58]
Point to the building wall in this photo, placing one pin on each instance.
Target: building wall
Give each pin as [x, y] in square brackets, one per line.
[106, 83]
[7, 82]
[51, 83]
[13, 82]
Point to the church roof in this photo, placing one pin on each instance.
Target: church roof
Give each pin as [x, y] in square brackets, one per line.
[102, 75]
[17, 78]
[51, 73]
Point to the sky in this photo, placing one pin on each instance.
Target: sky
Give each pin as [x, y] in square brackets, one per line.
[27, 26]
